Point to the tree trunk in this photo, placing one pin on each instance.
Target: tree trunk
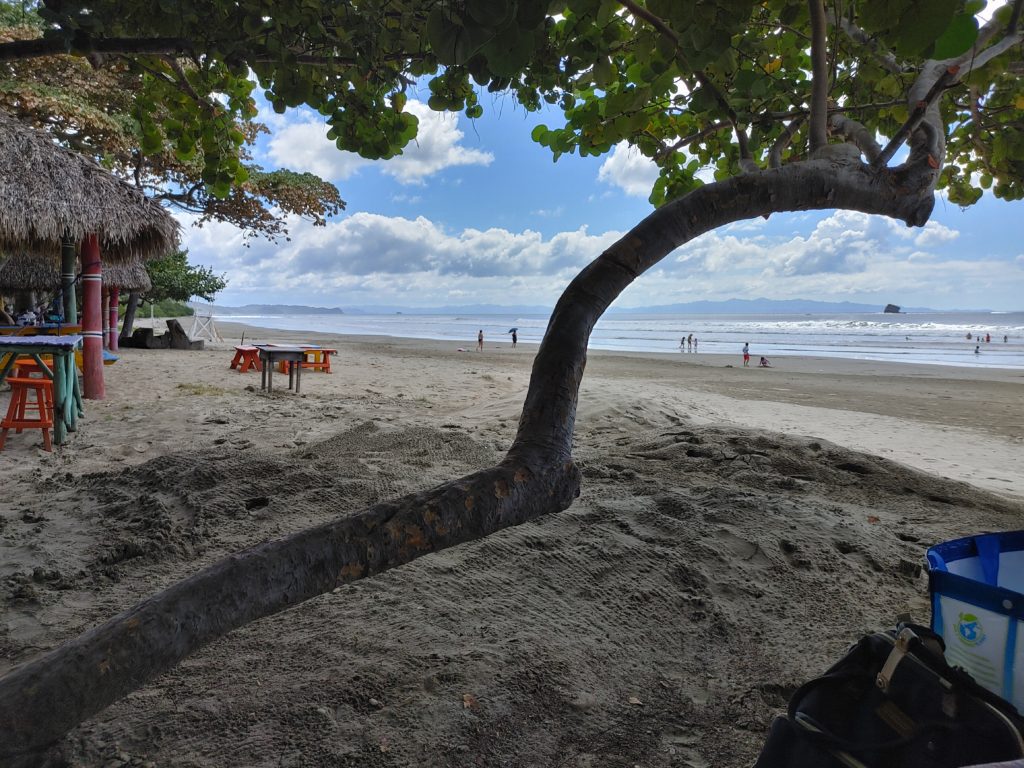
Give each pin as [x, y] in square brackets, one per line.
[42, 700]
[127, 326]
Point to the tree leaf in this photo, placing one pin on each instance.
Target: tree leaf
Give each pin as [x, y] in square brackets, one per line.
[958, 37]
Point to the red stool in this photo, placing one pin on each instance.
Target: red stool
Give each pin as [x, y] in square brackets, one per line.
[17, 417]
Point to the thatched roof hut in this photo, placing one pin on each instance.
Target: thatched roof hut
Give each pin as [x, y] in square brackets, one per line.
[131, 276]
[47, 191]
[27, 272]
[23, 272]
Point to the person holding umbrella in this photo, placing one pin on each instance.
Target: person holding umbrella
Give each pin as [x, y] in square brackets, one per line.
[515, 336]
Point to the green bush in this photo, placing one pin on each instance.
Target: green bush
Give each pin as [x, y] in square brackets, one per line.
[170, 308]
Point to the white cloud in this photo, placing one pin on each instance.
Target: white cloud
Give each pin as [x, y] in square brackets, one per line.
[373, 259]
[367, 244]
[302, 145]
[549, 213]
[935, 234]
[629, 170]
[436, 147]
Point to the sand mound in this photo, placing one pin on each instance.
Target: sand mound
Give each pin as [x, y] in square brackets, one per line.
[660, 621]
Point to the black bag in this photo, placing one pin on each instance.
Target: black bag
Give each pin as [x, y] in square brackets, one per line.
[894, 702]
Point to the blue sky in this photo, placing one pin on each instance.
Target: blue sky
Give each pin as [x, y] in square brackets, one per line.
[475, 212]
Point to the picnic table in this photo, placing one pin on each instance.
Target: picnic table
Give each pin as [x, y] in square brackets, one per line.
[317, 358]
[67, 393]
[274, 354]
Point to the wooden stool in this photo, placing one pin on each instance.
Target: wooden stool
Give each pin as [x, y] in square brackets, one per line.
[17, 416]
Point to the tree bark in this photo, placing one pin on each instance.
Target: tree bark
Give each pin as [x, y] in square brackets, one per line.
[42, 700]
[128, 324]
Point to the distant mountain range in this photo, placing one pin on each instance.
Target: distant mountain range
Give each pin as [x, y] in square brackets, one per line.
[267, 309]
[728, 307]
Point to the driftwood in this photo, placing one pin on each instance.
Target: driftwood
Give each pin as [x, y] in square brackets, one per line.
[144, 338]
[174, 338]
[178, 339]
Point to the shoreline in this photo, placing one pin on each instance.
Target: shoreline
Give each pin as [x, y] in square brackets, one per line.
[819, 338]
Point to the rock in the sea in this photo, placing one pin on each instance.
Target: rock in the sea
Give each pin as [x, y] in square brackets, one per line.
[892, 309]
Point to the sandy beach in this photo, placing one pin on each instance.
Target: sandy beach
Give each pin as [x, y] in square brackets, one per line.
[737, 529]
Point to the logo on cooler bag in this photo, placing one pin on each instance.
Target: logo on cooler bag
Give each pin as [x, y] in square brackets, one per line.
[969, 629]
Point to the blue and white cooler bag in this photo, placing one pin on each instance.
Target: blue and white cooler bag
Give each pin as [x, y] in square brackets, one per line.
[977, 592]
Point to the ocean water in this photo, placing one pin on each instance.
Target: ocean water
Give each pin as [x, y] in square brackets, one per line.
[934, 338]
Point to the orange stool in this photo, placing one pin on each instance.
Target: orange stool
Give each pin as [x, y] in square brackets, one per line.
[17, 417]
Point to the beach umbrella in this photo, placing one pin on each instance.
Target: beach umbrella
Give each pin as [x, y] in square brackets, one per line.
[51, 198]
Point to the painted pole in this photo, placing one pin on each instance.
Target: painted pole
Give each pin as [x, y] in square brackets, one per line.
[68, 257]
[115, 300]
[105, 313]
[92, 323]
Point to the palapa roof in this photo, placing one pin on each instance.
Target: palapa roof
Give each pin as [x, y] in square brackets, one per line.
[27, 272]
[131, 276]
[47, 191]
[22, 272]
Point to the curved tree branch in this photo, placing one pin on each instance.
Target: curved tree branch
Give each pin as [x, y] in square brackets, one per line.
[924, 109]
[42, 700]
[855, 133]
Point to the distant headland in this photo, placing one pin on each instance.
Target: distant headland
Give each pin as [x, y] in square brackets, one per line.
[268, 309]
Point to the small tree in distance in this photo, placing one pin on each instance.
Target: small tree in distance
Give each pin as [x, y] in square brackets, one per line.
[174, 279]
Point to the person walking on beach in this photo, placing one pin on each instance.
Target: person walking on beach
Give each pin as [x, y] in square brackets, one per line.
[480, 340]
[746, 354]
[514, 339]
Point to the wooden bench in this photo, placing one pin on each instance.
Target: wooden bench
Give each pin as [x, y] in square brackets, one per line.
[246, 358]
[317, 358]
